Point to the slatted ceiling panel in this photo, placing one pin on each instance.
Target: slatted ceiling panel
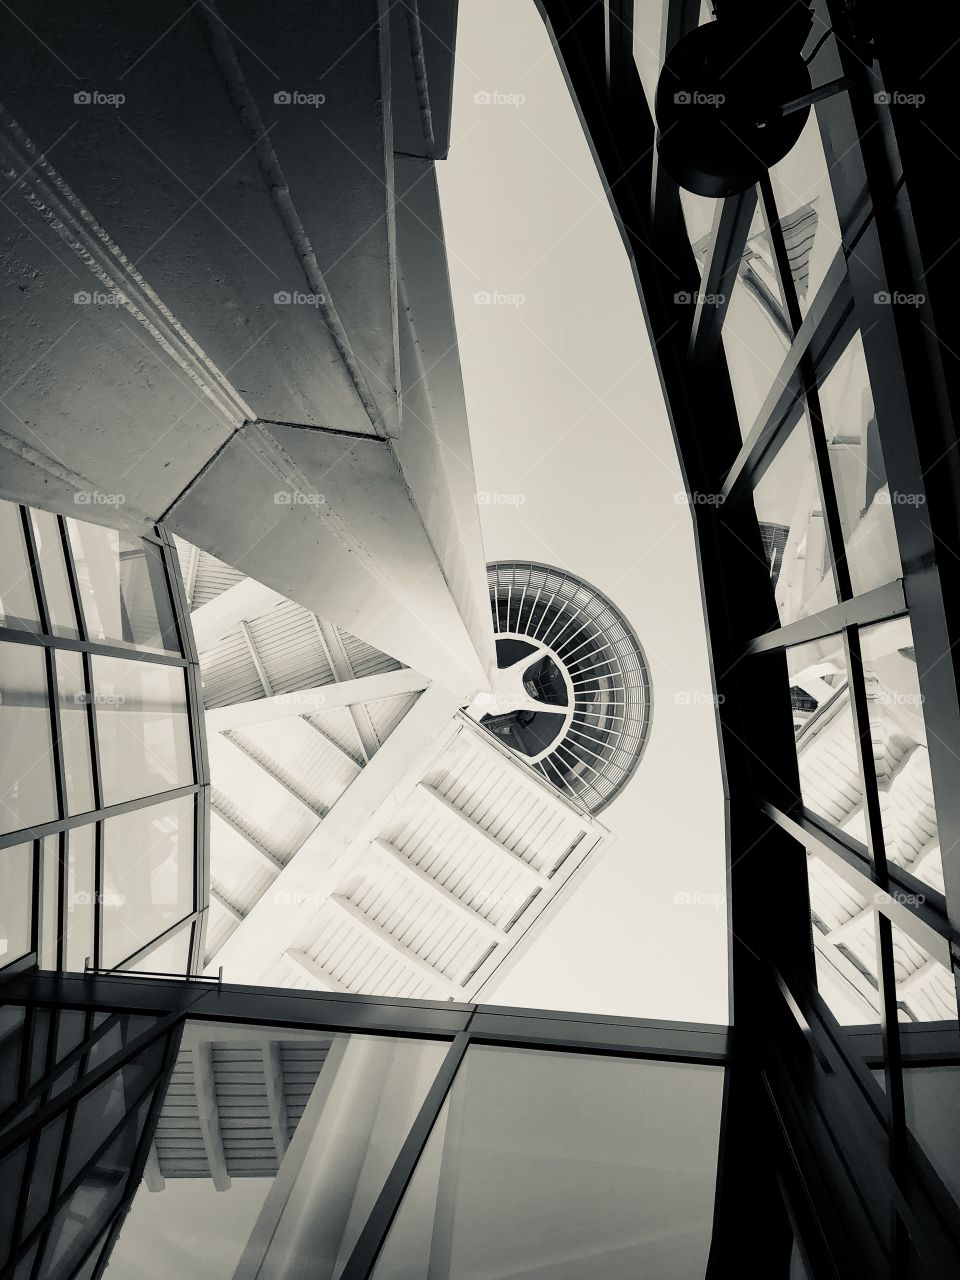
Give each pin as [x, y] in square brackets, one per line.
[229, 673]
[259, 803]
[462, 862]
[295, 751]
[829, 774]
[338, 724]
[501, 811]
[236, 870]
[290, 648]
[184, 552]
[363, 658]
[386, 713]
[220, 925]
[831, 898]
[213, 578]
[415, 917]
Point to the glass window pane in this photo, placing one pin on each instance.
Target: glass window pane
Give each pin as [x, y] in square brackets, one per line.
[49, 902]
[16, 902]
[142, 727]
[830, 782]
[808, 215]
[18, 601]
[123, 588]
[172, 956]
[859, 475]
[81, 895]
[756, 331]
[787, 502]
[148, 875]
[563, 1165]
[350, 1101]
[53, 570]
[902, 762]
[27, 786]
[74, 731]
[927, 1012]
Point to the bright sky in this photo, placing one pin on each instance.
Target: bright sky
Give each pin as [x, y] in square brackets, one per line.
[567, 416]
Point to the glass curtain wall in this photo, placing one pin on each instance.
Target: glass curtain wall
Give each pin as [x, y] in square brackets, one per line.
[102, 773]
[325, 1138]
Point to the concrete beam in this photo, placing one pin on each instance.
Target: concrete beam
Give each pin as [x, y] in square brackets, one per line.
[304, 702]
[206, 1092]
[219, 616]
[276, 1098]
[253, 405]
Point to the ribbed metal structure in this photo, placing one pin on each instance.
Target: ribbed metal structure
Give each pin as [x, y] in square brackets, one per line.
[588, 672]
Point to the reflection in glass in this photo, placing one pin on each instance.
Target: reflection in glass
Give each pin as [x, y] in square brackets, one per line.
[81, 896]
[902, 761]
[18, 602]
[830, 781]
[859, 475]
[123, 587]
[295, 1196]
[808, 215]
[172, 956]
[147, 875]
[16, 901]
[142, 727]
[845, 946]
[563, 1165]
[27, 790]
[787, 502]
[74, 731]
[53, 570]
[756, 329]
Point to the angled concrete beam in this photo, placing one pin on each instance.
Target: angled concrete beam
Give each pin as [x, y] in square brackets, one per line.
[276, 1098]
[340, 841]
[206, 1091]
[221, 615]
[152, 1176]
[325, 697]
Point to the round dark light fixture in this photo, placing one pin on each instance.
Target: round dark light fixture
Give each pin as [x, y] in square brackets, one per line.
[572, 694]
[730, 103]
